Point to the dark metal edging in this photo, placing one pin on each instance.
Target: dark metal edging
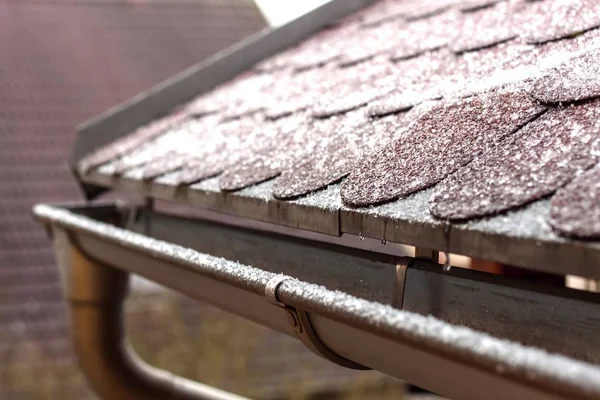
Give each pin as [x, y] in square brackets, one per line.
[519, 238]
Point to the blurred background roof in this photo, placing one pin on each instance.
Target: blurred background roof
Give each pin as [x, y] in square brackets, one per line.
[62, 62]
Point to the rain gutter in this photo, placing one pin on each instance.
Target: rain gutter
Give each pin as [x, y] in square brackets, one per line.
[95, 258]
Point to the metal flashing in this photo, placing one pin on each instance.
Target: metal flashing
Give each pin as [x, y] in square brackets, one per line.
[520, 237]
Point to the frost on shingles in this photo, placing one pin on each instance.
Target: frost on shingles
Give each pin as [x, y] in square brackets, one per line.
[574, 210]
[178, 136]
[403, 100]
[297, 91]
[356, 86]
[217, 148]
[575, 79]
[244, 140]
[161, 165]
[380, 12]
[409, 10]
[203, 134]
[484, 28]
[243, 95]
[129, 142]
[371, 42]
[281, 153]
[422, 36]
[420, 79]
[322, 48]
[200, 147]
[531, 164]
[445, 138]
[546, 21]
[391, 87]
[476, 5]
[418, 9]
[335, 158]
[440, 74]
[504, 57]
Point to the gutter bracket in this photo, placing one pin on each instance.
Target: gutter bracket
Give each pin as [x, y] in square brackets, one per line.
[300, 322]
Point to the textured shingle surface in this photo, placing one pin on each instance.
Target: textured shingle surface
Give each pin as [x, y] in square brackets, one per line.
[62, 62]
[478, 75]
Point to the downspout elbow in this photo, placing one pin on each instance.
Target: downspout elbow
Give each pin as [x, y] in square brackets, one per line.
[95, 295]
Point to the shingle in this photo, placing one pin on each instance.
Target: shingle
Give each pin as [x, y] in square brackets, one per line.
[129, 143]
[326, 46]
[441, 141]
[335, 158]
[485, 28]
[278, 154]
[574, 210]
[550, 20]
[417, 9]
[536, 161]
[573, 80]
[211, 150]
[403, 100]
[476, 5]
[426, 35]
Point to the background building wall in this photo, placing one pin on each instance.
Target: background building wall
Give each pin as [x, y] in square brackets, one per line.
[62, 62]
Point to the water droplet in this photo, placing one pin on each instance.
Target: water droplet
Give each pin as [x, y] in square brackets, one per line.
[447, 267]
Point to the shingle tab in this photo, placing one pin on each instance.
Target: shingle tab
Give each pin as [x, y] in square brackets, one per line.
[536, 161]
[444, 139]
[335, 158]
[572, 80]
[574, 210]
[485, 28]
[550, 20]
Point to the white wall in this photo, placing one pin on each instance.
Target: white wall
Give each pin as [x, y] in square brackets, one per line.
[278, 12]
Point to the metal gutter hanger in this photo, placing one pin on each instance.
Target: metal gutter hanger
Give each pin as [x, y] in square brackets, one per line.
[300, 323]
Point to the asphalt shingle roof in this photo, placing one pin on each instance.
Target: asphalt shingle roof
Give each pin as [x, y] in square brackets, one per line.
[399, 97]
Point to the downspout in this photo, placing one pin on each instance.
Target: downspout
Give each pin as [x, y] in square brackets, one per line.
[95, 295]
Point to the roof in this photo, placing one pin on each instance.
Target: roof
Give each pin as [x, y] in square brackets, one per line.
[407, 115]
[63, 61]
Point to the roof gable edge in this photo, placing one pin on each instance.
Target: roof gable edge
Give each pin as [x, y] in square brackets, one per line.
[202, 77]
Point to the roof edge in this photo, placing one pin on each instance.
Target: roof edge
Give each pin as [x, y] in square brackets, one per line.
[200, 78]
